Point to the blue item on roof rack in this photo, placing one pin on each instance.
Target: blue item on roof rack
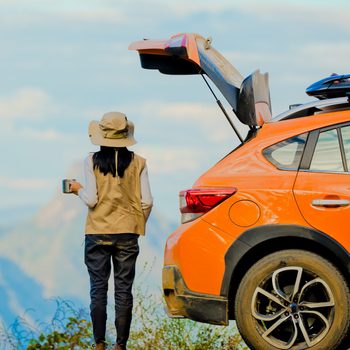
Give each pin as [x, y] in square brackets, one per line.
[331, 87]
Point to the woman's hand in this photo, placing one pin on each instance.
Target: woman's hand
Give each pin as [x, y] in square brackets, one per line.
[75, 186]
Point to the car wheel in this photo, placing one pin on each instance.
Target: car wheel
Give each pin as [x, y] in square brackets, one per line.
[293, 299]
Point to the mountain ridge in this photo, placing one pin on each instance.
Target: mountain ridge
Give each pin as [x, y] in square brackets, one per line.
[47, 252]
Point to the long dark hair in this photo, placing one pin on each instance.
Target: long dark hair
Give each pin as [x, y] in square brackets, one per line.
[104, 160]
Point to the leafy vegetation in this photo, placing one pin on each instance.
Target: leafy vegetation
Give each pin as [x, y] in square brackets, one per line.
[68, 329]
[151, 329]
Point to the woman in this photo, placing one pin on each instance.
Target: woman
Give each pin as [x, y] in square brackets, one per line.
[118, 196]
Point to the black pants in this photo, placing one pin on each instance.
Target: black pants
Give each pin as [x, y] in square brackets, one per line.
[122, 250]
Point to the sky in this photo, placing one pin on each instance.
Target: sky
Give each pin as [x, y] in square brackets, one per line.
[65, 63]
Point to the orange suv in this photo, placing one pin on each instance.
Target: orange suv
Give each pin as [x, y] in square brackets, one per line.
[265, 235]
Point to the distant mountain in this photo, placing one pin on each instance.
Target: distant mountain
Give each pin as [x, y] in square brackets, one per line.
[43, 257]
[9, 217]
[21, 295]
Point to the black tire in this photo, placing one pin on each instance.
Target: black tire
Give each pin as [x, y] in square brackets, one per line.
[290, 315]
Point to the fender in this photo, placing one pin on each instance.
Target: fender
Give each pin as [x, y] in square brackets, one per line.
[259, 241]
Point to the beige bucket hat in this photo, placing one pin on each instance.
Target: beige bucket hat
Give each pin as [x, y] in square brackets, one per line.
[113, 130]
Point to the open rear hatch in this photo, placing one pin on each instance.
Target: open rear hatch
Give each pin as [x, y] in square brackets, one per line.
[190, 53]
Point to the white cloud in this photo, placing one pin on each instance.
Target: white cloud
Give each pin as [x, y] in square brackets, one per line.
[26, 183]
[98, 16]
[26, 103]
[203, 118]
[252, 58]
[330, 56]
[169, 160]
[26, 12]
[300, 13]
[120, 11]
[292, 12]
[41, 135]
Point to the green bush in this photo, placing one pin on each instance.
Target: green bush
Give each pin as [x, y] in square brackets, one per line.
[77, 334]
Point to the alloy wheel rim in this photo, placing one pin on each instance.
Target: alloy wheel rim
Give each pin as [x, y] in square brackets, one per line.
[293, 307]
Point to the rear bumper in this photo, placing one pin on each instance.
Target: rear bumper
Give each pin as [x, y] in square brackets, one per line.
[181, 302]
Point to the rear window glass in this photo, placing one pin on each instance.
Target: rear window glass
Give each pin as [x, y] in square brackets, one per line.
[286, 155]
[327, 154]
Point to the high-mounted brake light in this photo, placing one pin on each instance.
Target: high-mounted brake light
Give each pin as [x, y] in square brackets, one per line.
[195, 202]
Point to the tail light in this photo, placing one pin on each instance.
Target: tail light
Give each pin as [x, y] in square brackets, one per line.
[195, 202]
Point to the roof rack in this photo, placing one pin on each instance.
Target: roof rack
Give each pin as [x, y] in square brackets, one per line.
[314, 107]
[330, 87]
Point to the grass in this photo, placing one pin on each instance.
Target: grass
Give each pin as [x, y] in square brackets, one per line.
[70, 328]
[152, 329]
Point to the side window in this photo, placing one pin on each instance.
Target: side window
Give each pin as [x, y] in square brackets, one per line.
[286, 155]
[345, 132]
[327, 154]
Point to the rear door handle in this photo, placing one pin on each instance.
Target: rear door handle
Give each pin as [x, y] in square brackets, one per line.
[330, 202]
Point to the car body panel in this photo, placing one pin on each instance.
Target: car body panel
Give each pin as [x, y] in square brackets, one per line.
[182, 302]
[188, 249]
[190, 53]
[312, 186]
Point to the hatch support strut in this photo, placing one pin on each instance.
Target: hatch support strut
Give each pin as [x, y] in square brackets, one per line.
[223, 109]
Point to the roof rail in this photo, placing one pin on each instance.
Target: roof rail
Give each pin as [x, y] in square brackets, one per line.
[313, 107]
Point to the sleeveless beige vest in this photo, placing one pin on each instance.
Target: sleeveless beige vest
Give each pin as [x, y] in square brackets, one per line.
[118, 209]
